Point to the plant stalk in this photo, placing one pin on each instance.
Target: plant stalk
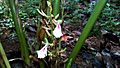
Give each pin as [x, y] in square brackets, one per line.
[20, 34]
[56, 7]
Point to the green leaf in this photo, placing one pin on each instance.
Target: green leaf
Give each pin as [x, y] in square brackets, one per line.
[90, 23]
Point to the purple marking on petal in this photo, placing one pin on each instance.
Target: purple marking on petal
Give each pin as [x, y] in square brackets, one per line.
[58, 26]
[43, 49]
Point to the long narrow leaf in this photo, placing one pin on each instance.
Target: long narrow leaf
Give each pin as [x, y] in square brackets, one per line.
[4, 56]
[20, 34]
[96, 12]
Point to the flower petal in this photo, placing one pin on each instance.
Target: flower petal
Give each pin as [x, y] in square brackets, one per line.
[43, 52]
[57, 31]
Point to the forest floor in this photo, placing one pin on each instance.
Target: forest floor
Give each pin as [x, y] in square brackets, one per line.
[95, 53]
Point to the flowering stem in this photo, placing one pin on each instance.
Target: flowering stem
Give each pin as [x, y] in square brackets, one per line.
[56, 7]
[96, 12]
[4, 56]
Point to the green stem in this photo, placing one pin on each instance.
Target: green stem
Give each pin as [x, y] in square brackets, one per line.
[63, 3]
[56, 7]
[20, 34]
[4, 57]
[96, 12]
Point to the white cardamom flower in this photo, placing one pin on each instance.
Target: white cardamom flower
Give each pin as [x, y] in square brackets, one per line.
[57, 31]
